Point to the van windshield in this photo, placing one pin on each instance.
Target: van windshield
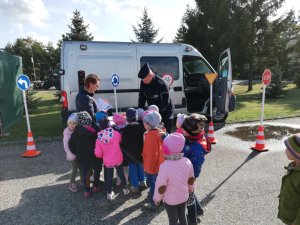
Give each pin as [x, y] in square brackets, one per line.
[195, 65]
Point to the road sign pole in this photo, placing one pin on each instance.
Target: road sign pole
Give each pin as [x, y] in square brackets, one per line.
[211, 101]
[26, 111]
[263, 105]
[116, 101]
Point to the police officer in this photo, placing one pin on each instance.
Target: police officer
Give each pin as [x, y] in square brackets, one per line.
[155, 91]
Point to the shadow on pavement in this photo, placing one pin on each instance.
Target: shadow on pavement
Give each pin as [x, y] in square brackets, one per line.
[211, 195]
[13, 166]
[57, 205]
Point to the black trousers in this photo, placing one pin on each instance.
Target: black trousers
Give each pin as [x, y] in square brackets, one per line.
[85, 169]
[168, 123]
[175, 213]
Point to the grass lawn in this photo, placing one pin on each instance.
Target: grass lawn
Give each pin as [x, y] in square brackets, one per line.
[45, 121]
[248, 104]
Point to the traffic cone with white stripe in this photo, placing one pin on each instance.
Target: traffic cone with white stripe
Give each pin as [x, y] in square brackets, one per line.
[211, 133]
[260, 140]
[31, 150]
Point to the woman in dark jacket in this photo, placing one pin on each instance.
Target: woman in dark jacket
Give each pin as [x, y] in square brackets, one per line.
[85, 100]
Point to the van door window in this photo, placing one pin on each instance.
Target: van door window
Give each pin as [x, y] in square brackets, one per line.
[163, 65]
[196, 86]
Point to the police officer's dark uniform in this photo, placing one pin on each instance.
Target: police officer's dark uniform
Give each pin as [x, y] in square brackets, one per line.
[156, 93]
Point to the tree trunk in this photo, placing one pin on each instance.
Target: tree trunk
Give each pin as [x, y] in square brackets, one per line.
[250, 88]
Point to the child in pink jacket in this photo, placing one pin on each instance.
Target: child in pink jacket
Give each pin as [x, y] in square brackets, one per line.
[175, 179]
[108, 148]
[71, 124]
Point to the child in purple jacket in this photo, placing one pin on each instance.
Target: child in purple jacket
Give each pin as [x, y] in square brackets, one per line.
[175, 179]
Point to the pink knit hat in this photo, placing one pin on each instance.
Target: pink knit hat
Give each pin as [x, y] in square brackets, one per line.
[119, 119]
[173, 144]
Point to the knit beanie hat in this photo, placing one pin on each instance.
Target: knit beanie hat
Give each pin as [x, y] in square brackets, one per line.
[173, 144]
[140, 113]
[194, 124]
[131, 115]
[100, 115]
[180, 119]
[293, 145]
[153, 108]
[73, 118]
[84, 118]
[153, 118]
[119, 119]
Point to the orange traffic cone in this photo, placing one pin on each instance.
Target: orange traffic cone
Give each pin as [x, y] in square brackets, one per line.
[31, 150]
[260, 140]
[211, 135]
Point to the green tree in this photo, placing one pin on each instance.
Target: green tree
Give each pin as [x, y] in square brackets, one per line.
[243, 25]
[34, 57]
[145, 31]
[207, 27]
[78, 30]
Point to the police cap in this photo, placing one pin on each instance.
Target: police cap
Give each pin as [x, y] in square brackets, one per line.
[145, 69]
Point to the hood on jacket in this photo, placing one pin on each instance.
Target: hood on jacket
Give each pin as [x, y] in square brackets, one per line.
[106, 136]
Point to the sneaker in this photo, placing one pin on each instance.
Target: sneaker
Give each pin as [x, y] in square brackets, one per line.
[143, 184]
[73, 187]
[150, 207]
[96, 189]
[125, 191]
[87, 194]
[135, 190]
[110, 196]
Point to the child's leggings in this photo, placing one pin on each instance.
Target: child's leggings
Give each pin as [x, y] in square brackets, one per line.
[175, 213]
[109, 175]
[86, 175]
[75, 168]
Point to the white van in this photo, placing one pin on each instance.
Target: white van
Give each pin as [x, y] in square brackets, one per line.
[181, 65]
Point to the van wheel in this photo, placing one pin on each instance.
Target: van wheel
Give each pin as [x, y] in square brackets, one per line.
[220, 117]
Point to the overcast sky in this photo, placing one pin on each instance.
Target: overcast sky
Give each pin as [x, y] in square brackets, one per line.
[109, 20]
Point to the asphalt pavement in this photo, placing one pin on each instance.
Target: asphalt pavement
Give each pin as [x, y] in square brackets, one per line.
[236, 186]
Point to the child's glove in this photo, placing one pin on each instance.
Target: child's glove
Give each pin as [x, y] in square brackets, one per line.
[70, 156]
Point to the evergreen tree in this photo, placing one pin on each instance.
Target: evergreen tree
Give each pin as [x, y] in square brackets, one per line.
[145, 31]
[243, 25]
[78, 31]
[207, 27]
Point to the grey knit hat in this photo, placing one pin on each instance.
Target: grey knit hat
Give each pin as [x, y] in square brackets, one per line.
[152, 118]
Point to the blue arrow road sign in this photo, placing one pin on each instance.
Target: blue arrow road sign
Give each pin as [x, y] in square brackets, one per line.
[115, 80]
[23, 82]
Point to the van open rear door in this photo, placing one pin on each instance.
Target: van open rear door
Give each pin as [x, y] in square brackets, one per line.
[223, 86]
